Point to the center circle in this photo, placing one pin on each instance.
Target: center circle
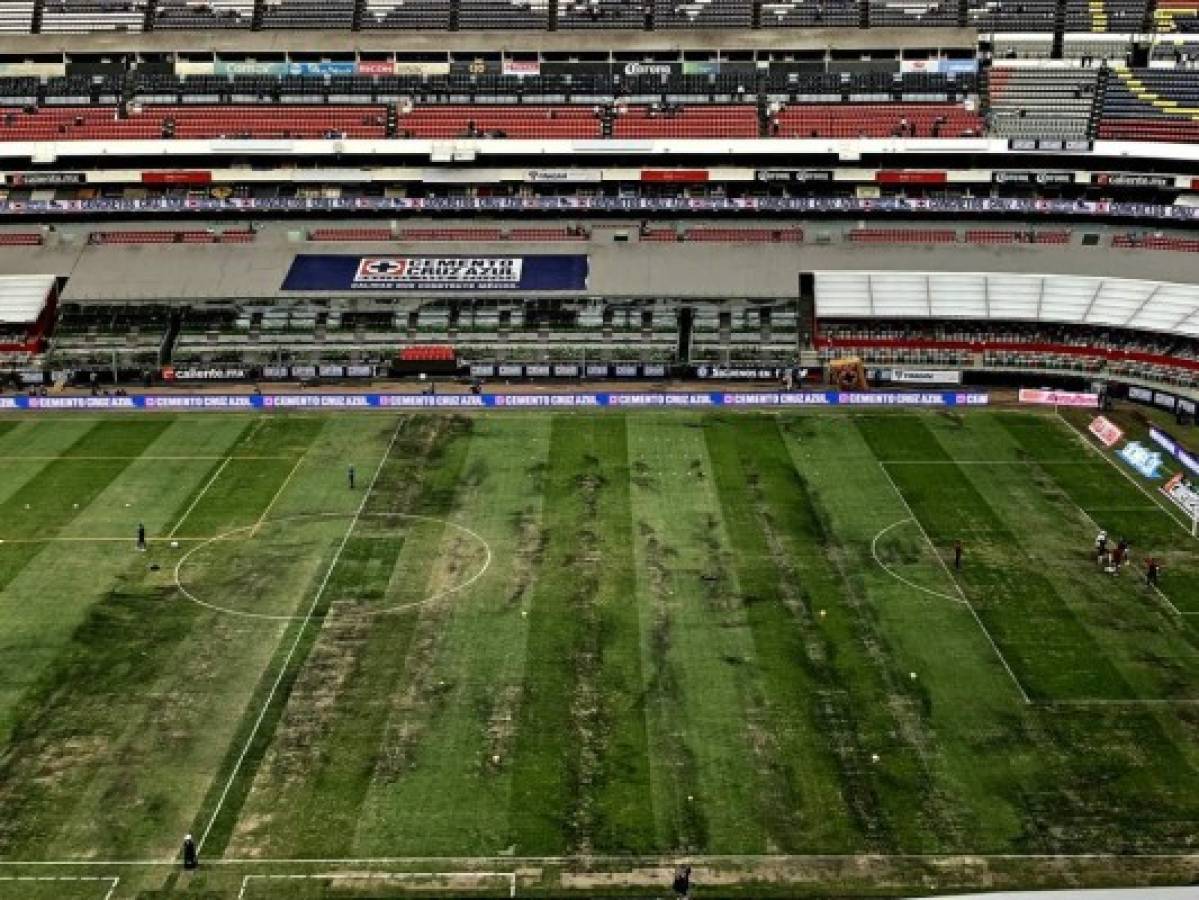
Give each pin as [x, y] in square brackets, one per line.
[249, 532]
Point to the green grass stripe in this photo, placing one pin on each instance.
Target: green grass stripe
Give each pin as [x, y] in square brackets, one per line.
[812, 799]
[357, 663]
[448, 747]
[581, 772]
[255, 743]
[696, 646]
[877, 636]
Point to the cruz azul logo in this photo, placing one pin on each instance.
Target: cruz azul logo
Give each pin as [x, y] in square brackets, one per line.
[437, 272]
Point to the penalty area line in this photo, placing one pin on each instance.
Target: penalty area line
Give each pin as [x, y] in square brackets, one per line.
[303, 627]
[882, 565]
[111, 880]
[510, 877]
[275, 498]
[199, 496]
[957, 587]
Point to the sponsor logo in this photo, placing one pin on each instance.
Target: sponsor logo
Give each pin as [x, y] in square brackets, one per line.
[1179, 490]
[1058, 398]
[375, 272]
[1129, 179]
[1147, 462]
[634, 68]
[1009, 177]
[1107, 432]
[926, 376]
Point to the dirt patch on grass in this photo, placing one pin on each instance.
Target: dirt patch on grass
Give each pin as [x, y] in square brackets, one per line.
[531, 544]
[311, 710]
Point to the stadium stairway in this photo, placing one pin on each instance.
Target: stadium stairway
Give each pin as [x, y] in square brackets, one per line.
[39, 9]
[167, 347]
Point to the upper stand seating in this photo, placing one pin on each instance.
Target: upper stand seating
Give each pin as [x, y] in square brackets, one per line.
[500, 121]
[209, 14]
[602, 13]
[316, 14]
[102, 123]
[811, 13]
[1011, 15]
[703, 14]
[876, 120]
[504, 14]
[1151, 105]
[1176, 15]
[82, 16]
[1115, 16]
[922, 13]
[1042, 103]
[16, 16]
[407, 14]
[698, 121]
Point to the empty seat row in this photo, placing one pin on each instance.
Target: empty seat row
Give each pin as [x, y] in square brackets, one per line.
[82, 16]
[337, 14]
[903, 236]
[203, 14]
[351, 234]
[504, 14]
[994, 236]
[603, 13]
[414, 14]
[20, 238]
[1035, 103]
[99, 122]
[16, 16]
[876, 120]
[1155, 242]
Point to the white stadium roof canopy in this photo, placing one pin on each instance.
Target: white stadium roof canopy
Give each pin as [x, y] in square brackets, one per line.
[1120, 302]
[23, 297]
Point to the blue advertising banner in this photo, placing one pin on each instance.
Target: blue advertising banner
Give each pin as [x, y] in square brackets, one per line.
[333, 272]
[1175, 449]
[629, 399]
[1141, 458]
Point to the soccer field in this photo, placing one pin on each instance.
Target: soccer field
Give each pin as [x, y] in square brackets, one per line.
[536, 653]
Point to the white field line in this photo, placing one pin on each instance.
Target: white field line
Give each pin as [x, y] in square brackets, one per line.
[199, 496]
[111, 880]
[299, 636]
[274, 499]
[1153, 701]
[69, 456]
[896, 575]
[379, 876]
[93, 540]
[510, 862]
[957, 587]
[1140, 487]
[981, 462]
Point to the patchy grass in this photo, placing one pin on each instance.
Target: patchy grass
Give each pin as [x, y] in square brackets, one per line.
[690, 635]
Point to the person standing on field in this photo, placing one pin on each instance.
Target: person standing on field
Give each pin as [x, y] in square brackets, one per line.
[1152, 568]
[351, 476]
[957, 555]
[141, 536]
[191, 858]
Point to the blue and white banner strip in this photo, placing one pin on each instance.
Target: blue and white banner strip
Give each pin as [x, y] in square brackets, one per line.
[495, 401]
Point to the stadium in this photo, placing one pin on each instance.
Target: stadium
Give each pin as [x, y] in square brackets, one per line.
[599, 448]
